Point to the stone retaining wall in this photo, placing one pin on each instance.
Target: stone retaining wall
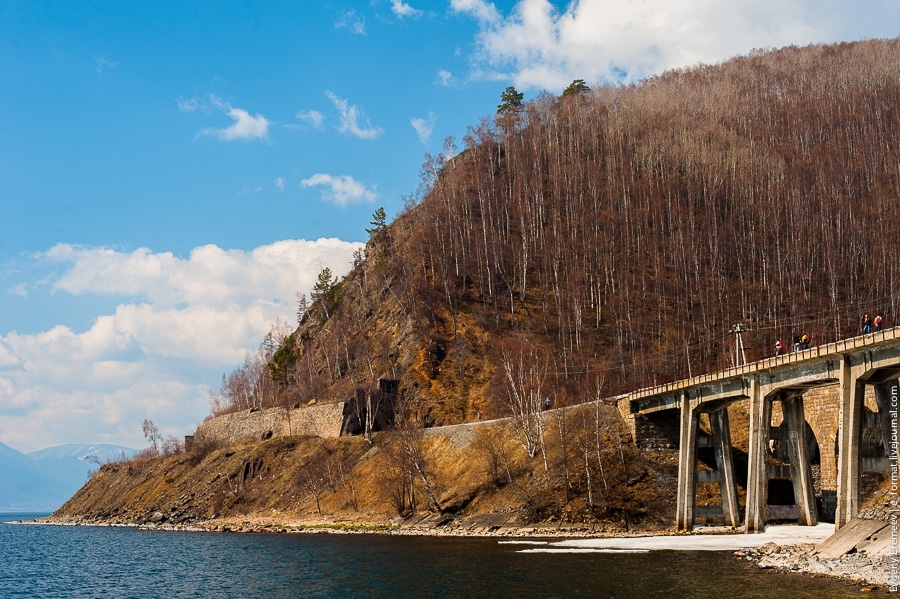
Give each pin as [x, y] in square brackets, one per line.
[323, 420]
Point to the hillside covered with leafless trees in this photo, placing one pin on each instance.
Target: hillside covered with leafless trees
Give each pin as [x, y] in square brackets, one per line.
[608, 239]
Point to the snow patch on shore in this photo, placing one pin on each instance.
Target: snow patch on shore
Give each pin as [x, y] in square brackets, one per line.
[780, 535]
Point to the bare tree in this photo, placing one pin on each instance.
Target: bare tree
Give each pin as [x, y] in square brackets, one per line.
[151, 433]
[411, 440]
[313, 478]
[525, 369]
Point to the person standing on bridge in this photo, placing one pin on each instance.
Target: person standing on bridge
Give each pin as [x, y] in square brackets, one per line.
[779, 348]
[867, 324]
[804, 341]
[878, 322]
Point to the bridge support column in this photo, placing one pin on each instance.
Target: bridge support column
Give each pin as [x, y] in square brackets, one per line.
[801, 470]
[721, 439]
[885, 393]
[687, 465]
[852, 393]
[757, 475]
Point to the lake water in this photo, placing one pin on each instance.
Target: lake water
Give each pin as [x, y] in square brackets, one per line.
[81, 561]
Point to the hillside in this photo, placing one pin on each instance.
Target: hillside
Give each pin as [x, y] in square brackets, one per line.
[478, 478]
[576, 247]
[621, 232]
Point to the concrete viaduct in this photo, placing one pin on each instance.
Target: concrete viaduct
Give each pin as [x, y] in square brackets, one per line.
[858, 413]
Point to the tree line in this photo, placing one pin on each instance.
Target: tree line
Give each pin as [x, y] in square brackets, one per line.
[641, 222]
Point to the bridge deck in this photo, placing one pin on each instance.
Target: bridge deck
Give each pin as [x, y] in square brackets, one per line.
[665, 396]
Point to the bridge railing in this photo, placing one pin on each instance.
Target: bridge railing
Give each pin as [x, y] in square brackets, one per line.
[763, 362]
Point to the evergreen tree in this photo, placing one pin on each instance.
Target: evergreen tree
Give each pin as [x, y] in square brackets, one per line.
[577, 87]
[282, 362]
[510, 99]
[379, 242]
[379, 218]
[325, 290]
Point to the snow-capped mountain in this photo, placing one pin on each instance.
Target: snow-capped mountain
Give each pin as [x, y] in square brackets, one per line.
[43, 480]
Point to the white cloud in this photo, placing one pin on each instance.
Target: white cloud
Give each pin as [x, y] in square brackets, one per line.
[279, 183]
[101, 62]
[209, 276]
[350, 119]
[313, 117]
[341, 190]
[192, 104]
[485, 12]
[20, 289]
[423, 127]
[7, 358]
[352, 22]
[181, 323]
[446, 77]
[245, 125]
[539, 46]
[246, 190]
[402, 9]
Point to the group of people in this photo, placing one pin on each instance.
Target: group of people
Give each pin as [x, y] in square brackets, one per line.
[868, 323]
[800, 343]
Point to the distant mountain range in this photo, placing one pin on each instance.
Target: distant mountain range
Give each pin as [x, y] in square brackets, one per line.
[43, 480]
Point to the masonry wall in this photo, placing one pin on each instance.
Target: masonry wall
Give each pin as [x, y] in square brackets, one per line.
[822, 408]
[323, 420]
[658, 430]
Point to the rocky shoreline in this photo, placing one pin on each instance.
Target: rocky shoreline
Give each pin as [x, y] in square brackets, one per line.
[863, 551]
[431, 525]
[857, 568]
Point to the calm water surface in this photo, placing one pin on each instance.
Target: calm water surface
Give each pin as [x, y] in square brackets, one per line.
[69, 561]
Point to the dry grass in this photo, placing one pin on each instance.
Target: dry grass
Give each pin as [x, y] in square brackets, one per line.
[474, 470]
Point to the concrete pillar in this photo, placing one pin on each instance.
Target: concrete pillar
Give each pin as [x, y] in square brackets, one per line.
[851, 396]
[883, 394]
[801, 470]
[687, 465]
[721, 439]
[757, 476]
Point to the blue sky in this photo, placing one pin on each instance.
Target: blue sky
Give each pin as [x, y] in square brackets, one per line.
[172, 173]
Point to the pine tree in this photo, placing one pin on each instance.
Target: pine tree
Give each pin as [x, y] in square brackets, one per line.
[379, 218]
[325, 290]
[577, 87]
[511, 99]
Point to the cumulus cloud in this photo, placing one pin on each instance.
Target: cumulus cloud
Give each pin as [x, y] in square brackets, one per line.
[245, 126]
[279, 183]
[485, 12]
[313, 117]
[402, 9]
[353, 120]
[352, 22]
[209, 276]
[540, 46]
[180, 324]
[341, 190]
[446, 78]
[423, 127]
